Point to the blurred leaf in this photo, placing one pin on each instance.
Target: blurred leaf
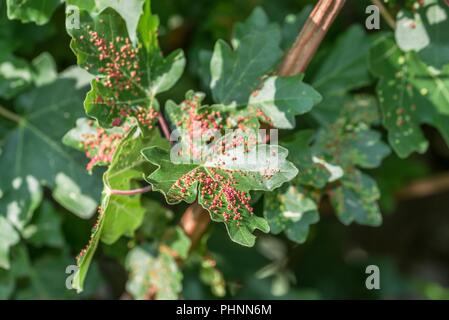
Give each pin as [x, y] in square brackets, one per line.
[8, 238]
[7, 284]
[410, 94]
[178, 242]
[34, 148]
[293, 24]
[291, 210]
[156, 219]
[37, 11]
[425, 31]
[45, 69]
[20, 200]
[46, 231]
[69, 195]
[15, 76]
[149, 274]
[345, 68]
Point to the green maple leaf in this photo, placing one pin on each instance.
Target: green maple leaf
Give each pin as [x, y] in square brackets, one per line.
[425, 31]
[343, 69]
[223, 189]
[120, 215]
[312, 172]
[32, 150]
[129, 10]
[356, 199]
[410, 94]
[282, 98]
[37, 11]
[127, 78]
[349, 143]
[46, 230]
[236, 71]
[17, 75]
[291, 210]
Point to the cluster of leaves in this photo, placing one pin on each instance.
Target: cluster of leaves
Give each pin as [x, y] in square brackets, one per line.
[116, 43]
[38, 105]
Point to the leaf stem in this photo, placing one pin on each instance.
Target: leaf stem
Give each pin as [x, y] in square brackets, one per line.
[130, 192]
[164, 126]
[425, 187]
[310, 37]
[385, 13]
[9, 115]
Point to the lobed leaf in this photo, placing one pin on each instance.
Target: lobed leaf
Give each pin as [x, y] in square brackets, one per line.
[410, 94]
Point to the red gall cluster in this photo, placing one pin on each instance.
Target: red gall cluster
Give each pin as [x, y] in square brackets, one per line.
[101, 145]
[198, 125]
[121, 63]
[218, 192]
[120, 73]
[94, 230]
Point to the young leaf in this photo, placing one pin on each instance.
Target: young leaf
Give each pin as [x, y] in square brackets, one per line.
[425, 31]
[127, 77]
[410, 94]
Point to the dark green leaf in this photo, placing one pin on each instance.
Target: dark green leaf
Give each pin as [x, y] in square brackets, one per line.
[410, 94]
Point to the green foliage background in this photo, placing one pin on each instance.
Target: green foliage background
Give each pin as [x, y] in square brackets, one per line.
[324, 254]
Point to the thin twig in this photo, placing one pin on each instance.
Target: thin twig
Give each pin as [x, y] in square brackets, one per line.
[311, 36]
[164, 126]
[130, 192]
[385, 13]
[425, 187]
[9, 115]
